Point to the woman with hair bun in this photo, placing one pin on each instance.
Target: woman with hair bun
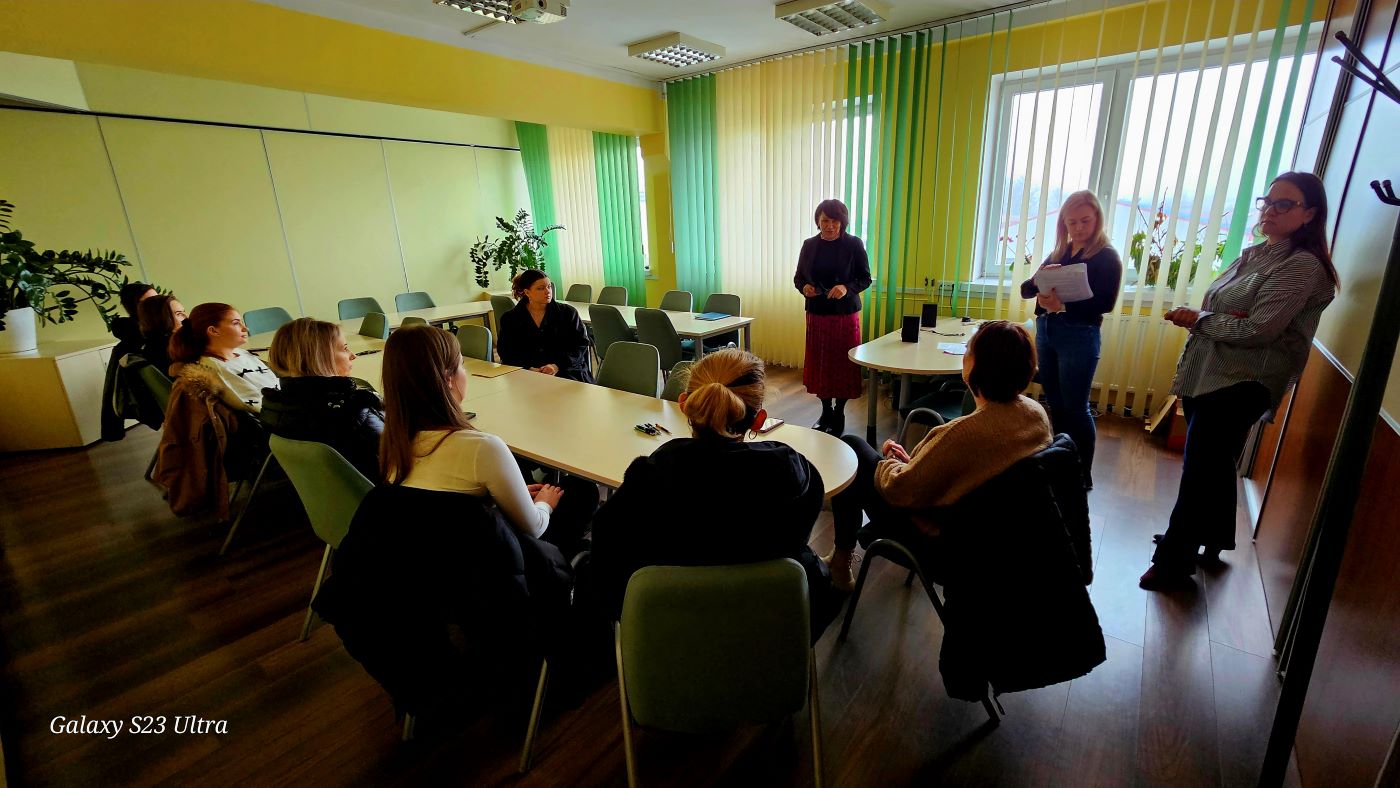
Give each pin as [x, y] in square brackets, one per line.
[212, 337]
[541, 334]
[655, 518]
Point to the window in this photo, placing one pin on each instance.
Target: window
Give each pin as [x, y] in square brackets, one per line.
[642, 197]
[1119, 131]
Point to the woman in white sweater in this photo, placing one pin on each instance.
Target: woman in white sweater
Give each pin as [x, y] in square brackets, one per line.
[213, 336]
[429, 444]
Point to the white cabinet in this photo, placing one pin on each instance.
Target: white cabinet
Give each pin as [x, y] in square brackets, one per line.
[51, 397]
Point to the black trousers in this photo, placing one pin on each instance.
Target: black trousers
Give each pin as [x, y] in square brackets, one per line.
[570, 520]
[1217, 425]
[861, 496]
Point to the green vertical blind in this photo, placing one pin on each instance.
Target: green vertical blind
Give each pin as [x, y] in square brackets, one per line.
[619, 213]
[690, 106]
[534, 155]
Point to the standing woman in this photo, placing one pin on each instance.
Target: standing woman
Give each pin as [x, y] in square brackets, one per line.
[541, 334]
[1248, 344]
[832, 271]
[1067, 337]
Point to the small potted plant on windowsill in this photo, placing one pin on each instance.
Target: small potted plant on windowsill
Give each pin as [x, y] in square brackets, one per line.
[518, 249]
[47, 287]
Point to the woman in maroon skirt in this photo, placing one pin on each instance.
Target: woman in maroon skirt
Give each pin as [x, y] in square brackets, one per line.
[832, 271]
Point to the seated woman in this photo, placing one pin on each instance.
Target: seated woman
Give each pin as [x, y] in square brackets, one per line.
[541, 334]
[212, 337]
[429, 444]
[761, 498]
[118, 401]
[318, 401]
[895, 484]
[158, 317]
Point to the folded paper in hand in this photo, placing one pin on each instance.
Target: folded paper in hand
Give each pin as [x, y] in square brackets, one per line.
[1070, 282]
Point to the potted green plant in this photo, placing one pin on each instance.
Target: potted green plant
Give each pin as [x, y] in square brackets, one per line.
[1152, 242]
[46, 287]
[518, 249]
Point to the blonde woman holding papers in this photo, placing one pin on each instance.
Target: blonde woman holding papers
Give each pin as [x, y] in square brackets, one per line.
[1067, 332]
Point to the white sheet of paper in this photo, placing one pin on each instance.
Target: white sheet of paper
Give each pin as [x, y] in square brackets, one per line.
[1070, 282]
[953, 348]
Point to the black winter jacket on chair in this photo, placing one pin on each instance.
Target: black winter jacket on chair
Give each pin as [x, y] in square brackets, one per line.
[329, 410]
[440, 600]
[1016, 558]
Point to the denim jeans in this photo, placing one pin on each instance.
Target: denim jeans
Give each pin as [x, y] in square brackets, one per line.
[1069, 353]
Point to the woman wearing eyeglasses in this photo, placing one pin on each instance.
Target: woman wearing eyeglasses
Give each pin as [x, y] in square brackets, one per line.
[1248, 344]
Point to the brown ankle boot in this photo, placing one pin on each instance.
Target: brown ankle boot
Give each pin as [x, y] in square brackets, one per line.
[840, 562]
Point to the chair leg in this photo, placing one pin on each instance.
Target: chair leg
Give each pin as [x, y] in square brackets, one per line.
[247, 502]
[410, 723]
[855, 595]
[151, 466]
[528, 750]
[316, 589]
[628, 750]
[909, 581]
[995, 711]
[815, 701]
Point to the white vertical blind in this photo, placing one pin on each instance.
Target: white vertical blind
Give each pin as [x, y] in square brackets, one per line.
[573, 170]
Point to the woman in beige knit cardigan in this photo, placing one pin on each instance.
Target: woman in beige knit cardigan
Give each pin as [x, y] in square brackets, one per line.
[895, 484]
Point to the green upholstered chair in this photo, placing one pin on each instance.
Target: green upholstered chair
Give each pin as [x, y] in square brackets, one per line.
[710, 648]
[615, 295]
[475, 340]
[351, 308]
[608, 327]
[158, 385]
[654, 328]
[579, 292]
[374, 324]
[330, 489]
[499, 306]
[416, 299]
[676, 380]
[413, 320]
[260, 321]
[630, 366]
[678, 301]
[727, 303]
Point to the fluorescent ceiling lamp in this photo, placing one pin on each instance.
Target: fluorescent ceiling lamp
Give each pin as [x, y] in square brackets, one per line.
[676, 49]
[499, 10]
[820, 17]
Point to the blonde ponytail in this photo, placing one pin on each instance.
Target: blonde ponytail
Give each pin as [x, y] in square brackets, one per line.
[724, 393]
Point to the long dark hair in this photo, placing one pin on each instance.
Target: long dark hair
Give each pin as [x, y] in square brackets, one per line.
[418, 362]
[1312, 236]
[154, 318]
[191, 339]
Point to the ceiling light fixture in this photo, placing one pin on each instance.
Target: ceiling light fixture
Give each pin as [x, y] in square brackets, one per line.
[676, 49]
[498, 10]
[821, 17]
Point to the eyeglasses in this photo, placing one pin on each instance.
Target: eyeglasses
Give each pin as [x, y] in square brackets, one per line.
[1279, 206]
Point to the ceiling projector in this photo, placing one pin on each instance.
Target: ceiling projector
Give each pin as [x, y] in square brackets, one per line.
[539, 11]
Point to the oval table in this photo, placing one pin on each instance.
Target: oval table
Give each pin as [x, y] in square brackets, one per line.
[890, 354]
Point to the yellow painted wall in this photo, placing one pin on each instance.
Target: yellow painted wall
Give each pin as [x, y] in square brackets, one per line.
[661, 254]
[255, 44]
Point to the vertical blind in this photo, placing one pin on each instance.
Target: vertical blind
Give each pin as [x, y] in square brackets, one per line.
[534, 155]
[955, 146]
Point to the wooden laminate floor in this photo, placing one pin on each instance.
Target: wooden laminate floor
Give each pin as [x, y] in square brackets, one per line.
[110, 608]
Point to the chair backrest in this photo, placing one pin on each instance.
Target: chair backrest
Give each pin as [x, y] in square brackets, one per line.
[475, 340]
[608, 327]
[630, 366]
[416, 299]
[678, 301]
[260, 321]
[706, 648]
[351, 308]
[579, 292]
[728, 303]
[675, 382]
[329, 486]
[375, 324]
[413, 320]
[615, 295]
[156, 381]
[654, 328]
[918, 424]
[500, 305]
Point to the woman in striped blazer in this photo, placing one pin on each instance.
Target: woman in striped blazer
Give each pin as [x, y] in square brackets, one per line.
[1248, 344]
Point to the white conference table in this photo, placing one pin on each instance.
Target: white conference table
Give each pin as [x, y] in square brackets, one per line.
[589, 430]
[687, 324]
[890, 354]
[434, 315]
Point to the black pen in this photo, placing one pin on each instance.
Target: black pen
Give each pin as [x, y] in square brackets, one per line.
[662, 428]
